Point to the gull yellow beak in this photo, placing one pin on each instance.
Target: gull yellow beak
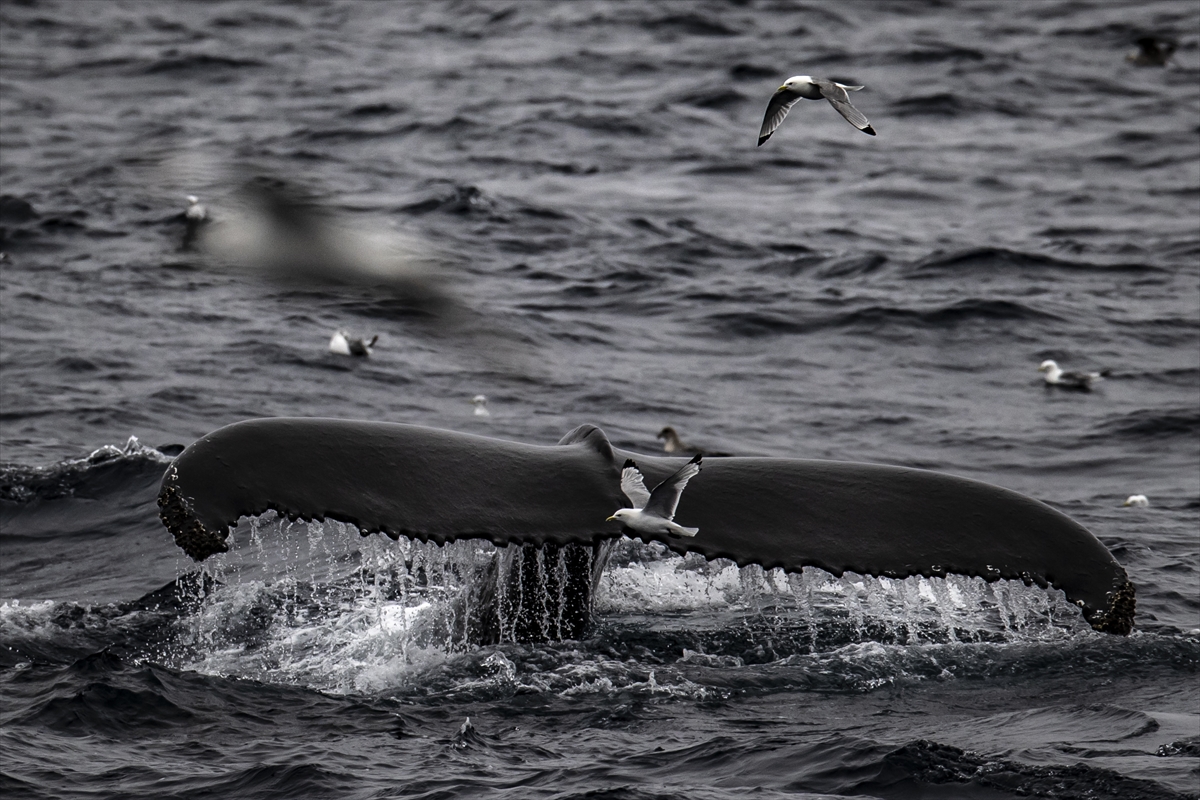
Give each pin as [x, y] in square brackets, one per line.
[781, 89]
[610, 519]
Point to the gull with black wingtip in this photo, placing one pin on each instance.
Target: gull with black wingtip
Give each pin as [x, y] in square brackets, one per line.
[653, 513]
[1055, 376]
[804, 87]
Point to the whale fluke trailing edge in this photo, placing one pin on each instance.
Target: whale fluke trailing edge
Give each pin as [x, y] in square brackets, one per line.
[439, 486]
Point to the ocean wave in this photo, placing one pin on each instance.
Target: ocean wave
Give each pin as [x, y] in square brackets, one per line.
[948, 104]
[719, 98]
[752, 72]
[376, 109]
[990, 258]
[611, 123]
[688, 24]
[90, 475]
[462, 199]
[873, 318]
[16, 209]
[24, 227]
[254, 19]
[936, 53]
[198, 63]
[930, 762]
[1152, 424]
[356, 134]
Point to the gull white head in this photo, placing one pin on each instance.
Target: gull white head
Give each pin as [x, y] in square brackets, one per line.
[796, 80]
[1136, 501]
[622, 514]
[1051, 369]
[802, 85]
[480, 403]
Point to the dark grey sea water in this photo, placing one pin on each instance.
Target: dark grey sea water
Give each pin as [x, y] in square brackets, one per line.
[583, 178]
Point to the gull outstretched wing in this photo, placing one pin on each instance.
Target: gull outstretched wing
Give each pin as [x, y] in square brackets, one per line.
[665, 497]
[835, 93]
[632, 485]
[781, 102]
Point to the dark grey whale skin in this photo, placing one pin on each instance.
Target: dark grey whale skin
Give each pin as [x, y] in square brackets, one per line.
[436, 485]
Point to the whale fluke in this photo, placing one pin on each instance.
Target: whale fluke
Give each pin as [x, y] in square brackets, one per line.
[439, 486]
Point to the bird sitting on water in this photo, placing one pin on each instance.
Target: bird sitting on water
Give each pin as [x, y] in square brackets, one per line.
[341, 344]
[1136, 501]
[1079, 381]
[195, 217]
[480, 403]
[1151, 52]
[654, 512]
[803, 86]
[673, 444]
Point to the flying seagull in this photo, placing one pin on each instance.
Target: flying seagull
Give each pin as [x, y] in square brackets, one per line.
[800, 86]
[1080, 381]
[653, 512]
[341, 344]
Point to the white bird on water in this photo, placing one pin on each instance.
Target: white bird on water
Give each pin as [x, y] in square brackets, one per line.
[195, 217]
[804, 87]
[1055, 376]
[341, 344]
[654, 512]
[195, 212]
[1137, 501]
[480, 403]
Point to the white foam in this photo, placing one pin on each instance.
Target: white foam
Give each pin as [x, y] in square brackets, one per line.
[319, 606]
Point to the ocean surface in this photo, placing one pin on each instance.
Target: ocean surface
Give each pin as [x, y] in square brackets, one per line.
[578, 186]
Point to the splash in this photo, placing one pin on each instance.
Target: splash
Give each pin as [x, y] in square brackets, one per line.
[318, 605]
[854, 607]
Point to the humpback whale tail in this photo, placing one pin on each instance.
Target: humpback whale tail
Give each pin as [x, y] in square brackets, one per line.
[440, 486]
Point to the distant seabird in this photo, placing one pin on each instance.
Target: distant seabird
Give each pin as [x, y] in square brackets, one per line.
[195, 217]
[1080, 381]
[195, 211]
[341, 344]
[673, 444]
[653, 512]
[1136, 501]
[1151, 52]
[802, 86]
[480, 403]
